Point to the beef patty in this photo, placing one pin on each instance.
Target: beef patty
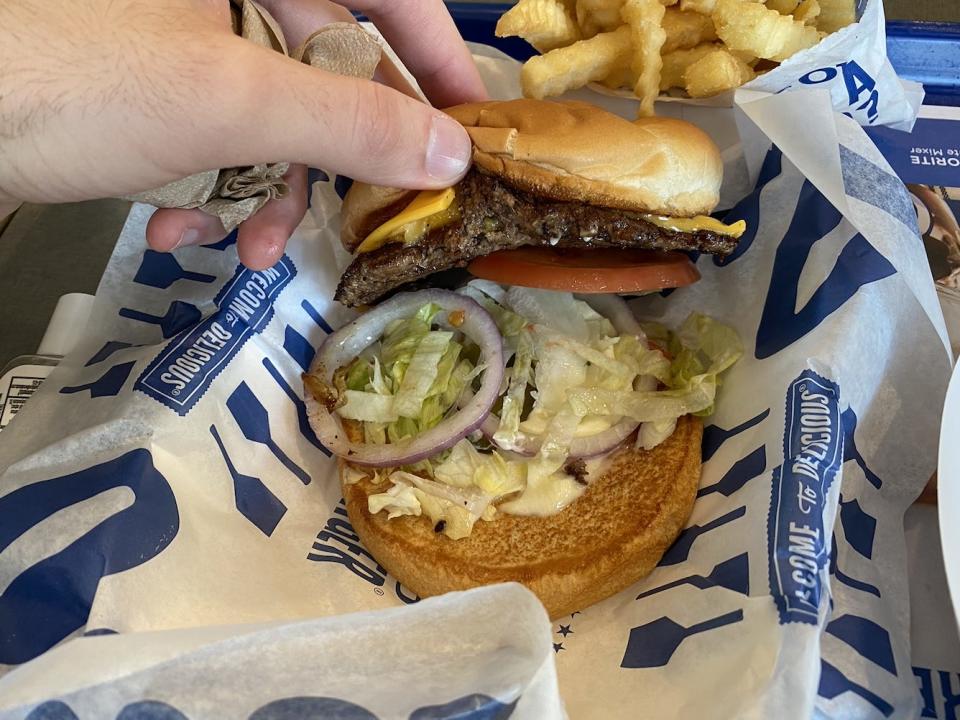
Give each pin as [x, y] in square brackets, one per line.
[495, 216]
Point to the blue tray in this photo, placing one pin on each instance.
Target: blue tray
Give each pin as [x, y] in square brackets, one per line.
[925, 52]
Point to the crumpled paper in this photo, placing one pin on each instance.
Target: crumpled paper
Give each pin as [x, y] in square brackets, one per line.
[234, 194]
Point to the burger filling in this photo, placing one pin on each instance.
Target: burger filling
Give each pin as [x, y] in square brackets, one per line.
[580, 379]
[483, 214]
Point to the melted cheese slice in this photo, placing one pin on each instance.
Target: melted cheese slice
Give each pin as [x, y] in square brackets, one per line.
[700, 222]
[425, 204]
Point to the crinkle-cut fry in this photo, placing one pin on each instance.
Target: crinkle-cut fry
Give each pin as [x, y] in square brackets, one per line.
[576, 65]
[621, 77]
[704, 7]
[716, 72]
[645, 18]
[744, 25]
[807, 12]
[784, 7]
[836, 14]
[676, 63]
[597, 16]
[545, 24]
[686, 30]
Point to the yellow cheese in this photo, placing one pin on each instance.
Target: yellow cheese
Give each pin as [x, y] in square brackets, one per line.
[425, 204]
[700, 222]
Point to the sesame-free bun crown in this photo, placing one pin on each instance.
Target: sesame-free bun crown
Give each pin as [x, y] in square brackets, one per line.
[576, 151]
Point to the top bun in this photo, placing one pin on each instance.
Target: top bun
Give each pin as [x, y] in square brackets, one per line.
[570, 151]
[574, 151]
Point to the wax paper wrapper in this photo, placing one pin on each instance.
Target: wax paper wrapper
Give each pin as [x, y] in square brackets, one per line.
[164, 487]
[852, 65]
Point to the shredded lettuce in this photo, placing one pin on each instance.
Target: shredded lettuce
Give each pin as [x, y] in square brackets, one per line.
[421, 371]
[508, 322]
[401, 429]
[508, 432]
[494, 475]
[645, 406]
[556, 310]
[460, 377]
[572, 376]
[702, 349]
[558, 369]
[458, 508]
[594, 355]
[400, 499]
[402, 339]
[368, 406]
[378, 383]
[359, 373]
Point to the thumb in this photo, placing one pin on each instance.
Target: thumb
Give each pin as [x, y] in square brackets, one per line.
[288, 111]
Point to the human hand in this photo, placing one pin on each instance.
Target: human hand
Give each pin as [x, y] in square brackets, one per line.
[107, 98]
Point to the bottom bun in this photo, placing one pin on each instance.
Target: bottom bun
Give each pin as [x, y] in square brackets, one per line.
[610, 537]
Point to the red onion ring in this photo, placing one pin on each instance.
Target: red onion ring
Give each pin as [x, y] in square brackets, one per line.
[602, 442]
[348, 342]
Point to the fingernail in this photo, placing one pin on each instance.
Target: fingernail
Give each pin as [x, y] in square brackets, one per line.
[448, 149]
[190, 236]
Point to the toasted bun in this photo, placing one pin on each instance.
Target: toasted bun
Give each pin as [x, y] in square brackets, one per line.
[574, 151]
[367, 207]
[612, 536]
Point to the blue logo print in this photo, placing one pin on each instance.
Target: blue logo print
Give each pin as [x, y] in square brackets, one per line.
[181, 374]
[858, 264]
[812, 455]
[52, 599]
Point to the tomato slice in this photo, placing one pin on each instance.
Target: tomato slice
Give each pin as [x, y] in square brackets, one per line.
[595, 270]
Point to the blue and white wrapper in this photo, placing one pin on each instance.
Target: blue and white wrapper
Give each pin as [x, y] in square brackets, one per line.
[164, 488]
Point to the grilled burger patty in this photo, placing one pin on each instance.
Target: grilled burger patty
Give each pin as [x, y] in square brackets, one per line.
[495, 216]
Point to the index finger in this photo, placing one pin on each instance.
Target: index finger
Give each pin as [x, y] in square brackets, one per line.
[426, 39]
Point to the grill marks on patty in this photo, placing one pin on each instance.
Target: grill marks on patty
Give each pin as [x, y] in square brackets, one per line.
[495, 217]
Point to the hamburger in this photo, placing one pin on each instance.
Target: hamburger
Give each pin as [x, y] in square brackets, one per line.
[524, 426]
[565, 178]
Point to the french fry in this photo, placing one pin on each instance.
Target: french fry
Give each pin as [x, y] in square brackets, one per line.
[807, 12]
[835, 14]
[716, 72]
[621, 77]
[686, 30]
[545, 24]
[675, 64]
[596, 16]
[747, 57]
[704, 7]
[645, 19]
[784, 7]
[576, 65]
[757, 29]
